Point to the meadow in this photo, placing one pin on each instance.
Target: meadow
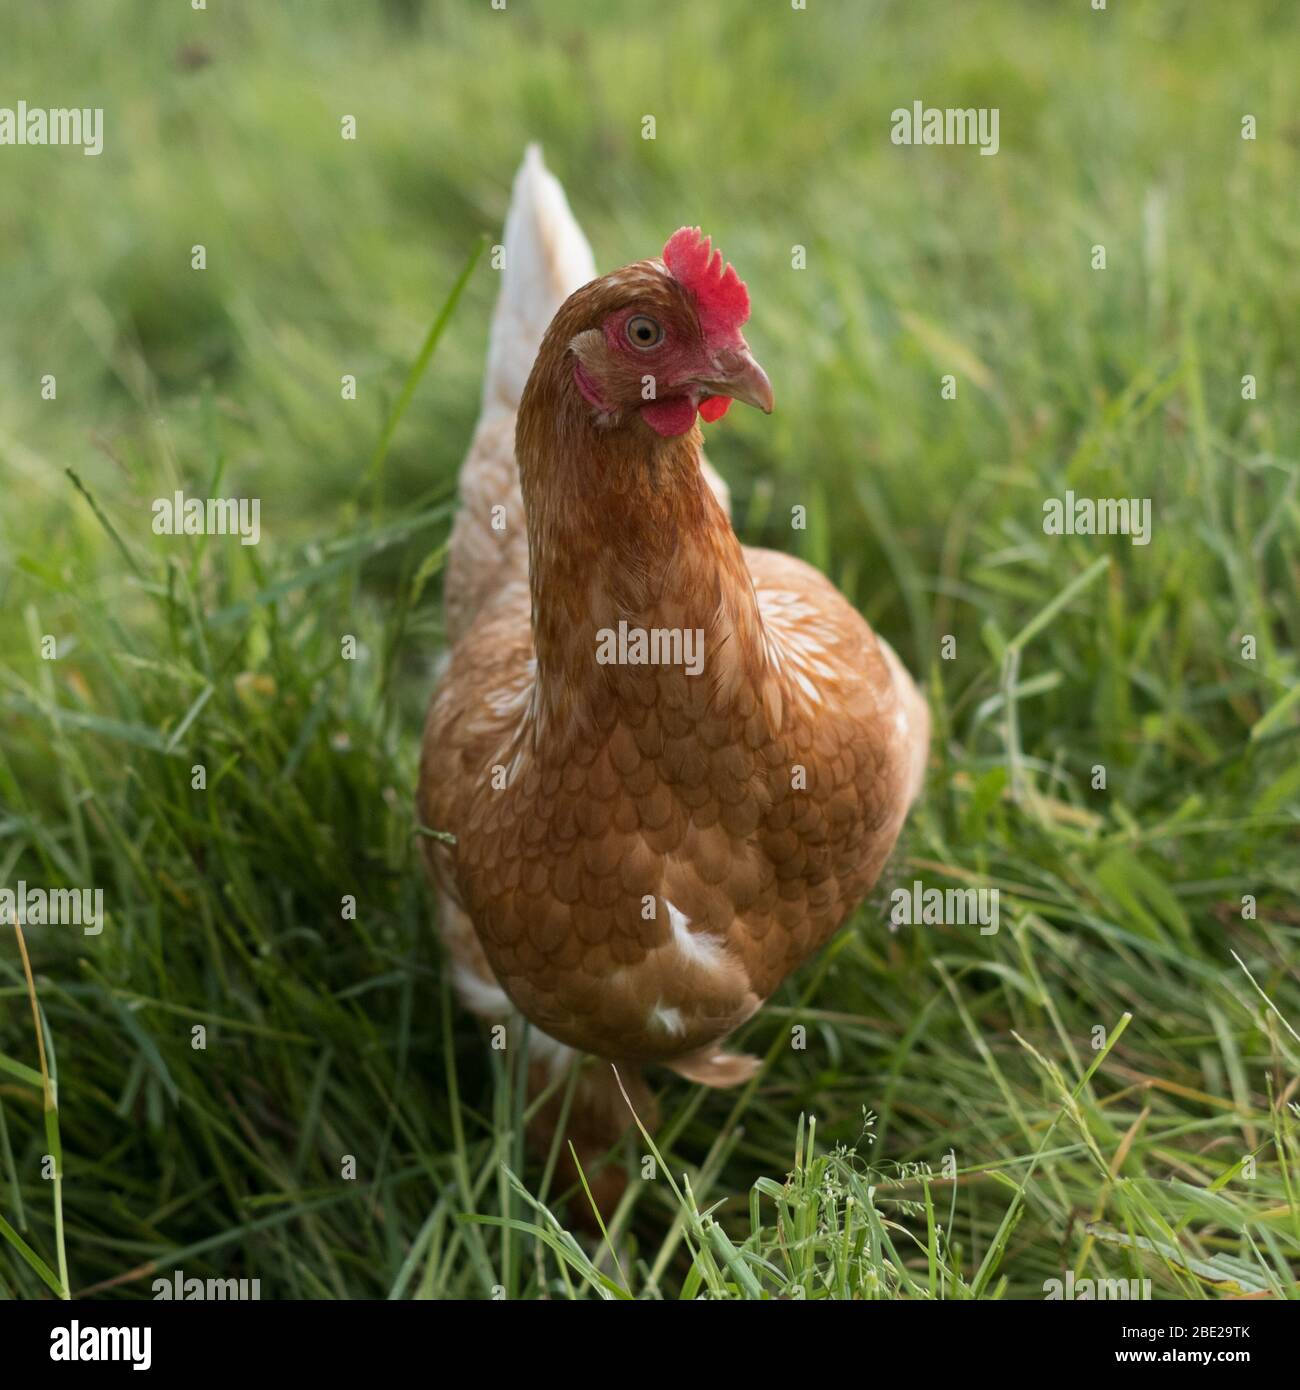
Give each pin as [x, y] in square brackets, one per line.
[237, 1079]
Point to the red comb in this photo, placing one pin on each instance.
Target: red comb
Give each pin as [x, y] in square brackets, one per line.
[721, 298]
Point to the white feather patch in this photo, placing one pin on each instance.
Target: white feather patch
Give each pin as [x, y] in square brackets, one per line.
[698, 947]
[670, 1020]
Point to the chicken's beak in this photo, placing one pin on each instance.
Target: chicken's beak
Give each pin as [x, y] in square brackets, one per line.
[735, 374]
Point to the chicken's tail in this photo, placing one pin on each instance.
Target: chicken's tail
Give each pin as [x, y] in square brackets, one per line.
[546, 259]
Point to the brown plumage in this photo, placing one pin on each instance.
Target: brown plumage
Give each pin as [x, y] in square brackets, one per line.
[643, 854]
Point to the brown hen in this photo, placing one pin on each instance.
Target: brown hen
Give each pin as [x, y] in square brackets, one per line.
[672, 764]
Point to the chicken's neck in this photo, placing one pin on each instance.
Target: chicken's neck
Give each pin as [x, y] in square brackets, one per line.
[640, 591]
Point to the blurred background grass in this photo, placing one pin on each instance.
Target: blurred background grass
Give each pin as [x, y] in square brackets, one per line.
[325, 257]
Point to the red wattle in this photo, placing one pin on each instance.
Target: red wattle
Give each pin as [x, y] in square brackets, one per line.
[670, 416]
[714, 407]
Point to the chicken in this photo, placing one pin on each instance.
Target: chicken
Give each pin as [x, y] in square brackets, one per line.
[672, 765]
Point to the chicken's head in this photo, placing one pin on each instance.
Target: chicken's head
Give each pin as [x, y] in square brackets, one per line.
[665, 340]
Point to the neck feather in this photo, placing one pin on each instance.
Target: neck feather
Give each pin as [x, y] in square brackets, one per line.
[624, 538]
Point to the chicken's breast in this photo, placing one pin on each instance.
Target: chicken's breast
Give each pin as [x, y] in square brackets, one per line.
[638, 891]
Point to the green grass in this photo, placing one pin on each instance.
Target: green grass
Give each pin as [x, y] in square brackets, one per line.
[1080, 1091]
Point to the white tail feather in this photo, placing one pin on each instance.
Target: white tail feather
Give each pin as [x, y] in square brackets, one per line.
[546, 259]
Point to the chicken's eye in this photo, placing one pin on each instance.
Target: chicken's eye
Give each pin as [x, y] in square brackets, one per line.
[643, 332]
